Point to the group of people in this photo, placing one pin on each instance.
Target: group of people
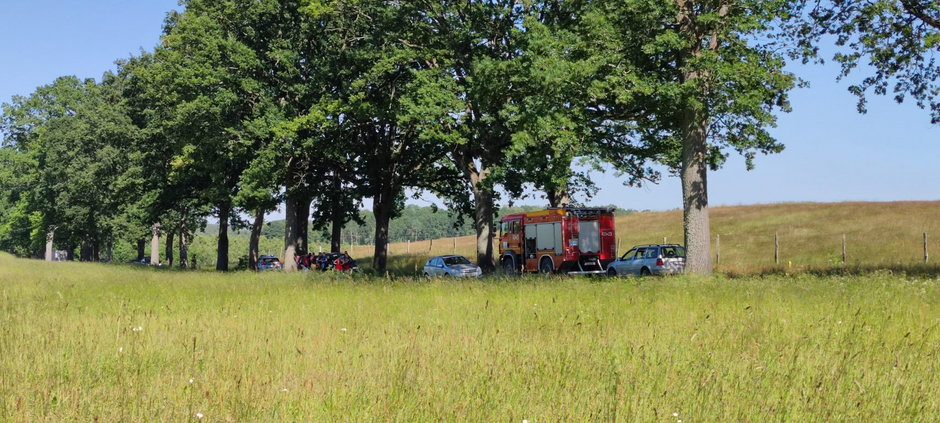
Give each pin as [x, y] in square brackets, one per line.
[325, 261]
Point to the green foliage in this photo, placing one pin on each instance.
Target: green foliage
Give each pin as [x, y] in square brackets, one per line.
[897, 40]
[658, 63]
[67, 145]
[247, 103]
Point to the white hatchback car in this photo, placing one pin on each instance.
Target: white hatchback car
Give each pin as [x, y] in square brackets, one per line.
[457, 266]
[645, 260]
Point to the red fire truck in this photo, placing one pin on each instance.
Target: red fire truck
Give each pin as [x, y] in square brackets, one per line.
[574, 240]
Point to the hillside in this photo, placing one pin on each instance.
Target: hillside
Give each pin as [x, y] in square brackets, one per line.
[882, 235]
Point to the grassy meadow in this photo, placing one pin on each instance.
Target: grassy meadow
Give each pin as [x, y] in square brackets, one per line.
[91, 342]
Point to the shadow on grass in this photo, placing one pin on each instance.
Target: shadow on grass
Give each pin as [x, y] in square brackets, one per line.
[398, 265]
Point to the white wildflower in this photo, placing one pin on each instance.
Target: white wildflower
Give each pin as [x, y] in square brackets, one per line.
[199, 415]
[675, 414]
[342, 330]
[120, 349]
[191, 380]
[285, 390]
[138, 329]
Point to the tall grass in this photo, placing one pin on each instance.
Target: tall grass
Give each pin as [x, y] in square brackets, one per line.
[84, 342]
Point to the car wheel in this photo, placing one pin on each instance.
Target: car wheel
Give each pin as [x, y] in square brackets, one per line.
[427, 275]
[546, 266]
[645, 272]
[446, 275]
[611, 272]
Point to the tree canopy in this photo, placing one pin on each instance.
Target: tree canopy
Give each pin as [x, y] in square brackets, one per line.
[320, 105]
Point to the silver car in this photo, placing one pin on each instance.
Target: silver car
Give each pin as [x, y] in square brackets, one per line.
[645, 260]
[457, 266]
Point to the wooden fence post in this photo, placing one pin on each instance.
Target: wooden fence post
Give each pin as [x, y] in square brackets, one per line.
[926, 256]
[430, 245]
[843, 249]
[776, 249]
[665, 240]
[409, 246]
[618, 247]
[717, 249]
[455, 245]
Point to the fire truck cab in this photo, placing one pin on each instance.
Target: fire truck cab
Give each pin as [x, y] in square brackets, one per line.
[573, 240]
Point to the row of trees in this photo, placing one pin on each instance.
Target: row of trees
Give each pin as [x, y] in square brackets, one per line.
[414, 223]
[319, 104]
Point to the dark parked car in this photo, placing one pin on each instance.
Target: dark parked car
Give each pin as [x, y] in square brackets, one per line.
[144, 261]
[645, 260]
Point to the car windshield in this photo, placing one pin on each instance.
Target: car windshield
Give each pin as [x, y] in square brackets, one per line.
[268, 260]
[450, 261]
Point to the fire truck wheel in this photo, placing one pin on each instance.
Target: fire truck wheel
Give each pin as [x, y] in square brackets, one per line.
[509, 266]
[546, 267]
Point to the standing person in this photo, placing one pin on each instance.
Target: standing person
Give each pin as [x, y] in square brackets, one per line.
[322, 262]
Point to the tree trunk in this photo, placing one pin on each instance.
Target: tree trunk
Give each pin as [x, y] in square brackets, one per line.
[295, 230]
[290, 236]
[169, 249]
[382, 207]
[155, 244]
[256, 227]
[140, 249]
[694, 127]
[339, 217]
[483, 222]
[184, 247]
[50, 244]
[221, 260]
[695, 194]
[336, 238]
[482, 213]
[558, 197]
[87, 250]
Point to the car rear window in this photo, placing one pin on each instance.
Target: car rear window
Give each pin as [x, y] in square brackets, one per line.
[669, 252]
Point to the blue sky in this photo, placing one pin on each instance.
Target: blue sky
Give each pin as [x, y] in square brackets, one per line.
[833, 153]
